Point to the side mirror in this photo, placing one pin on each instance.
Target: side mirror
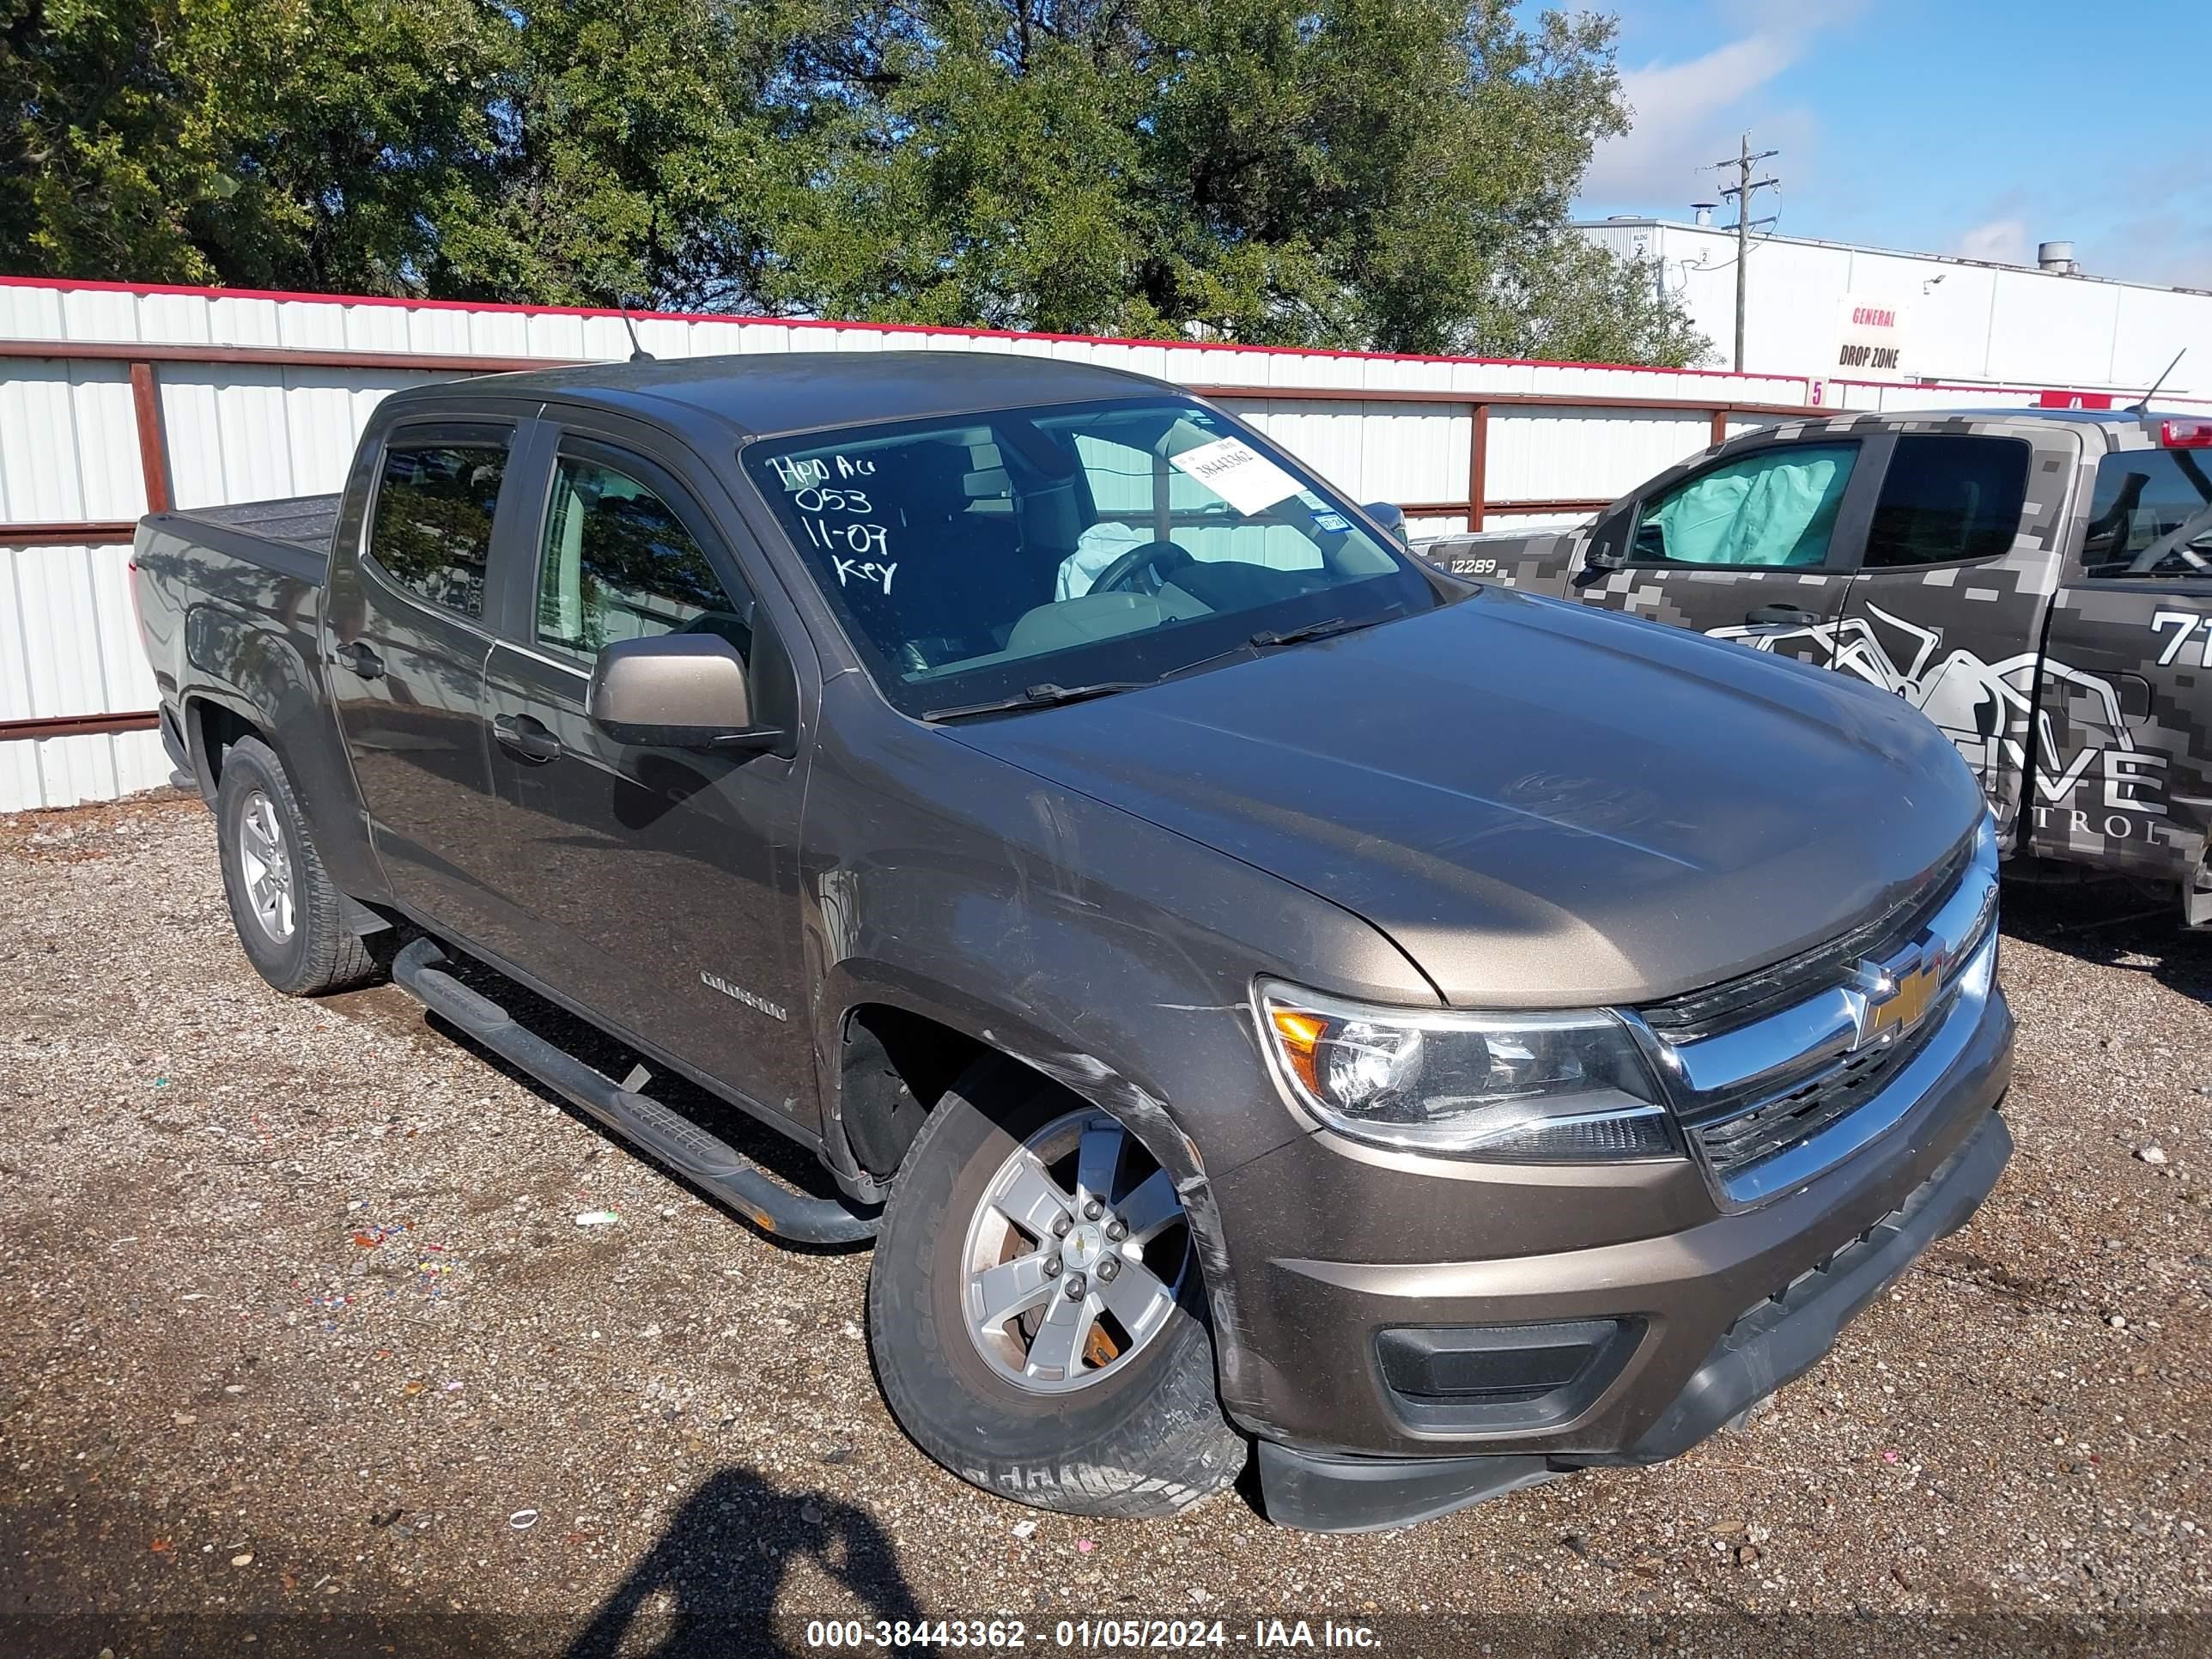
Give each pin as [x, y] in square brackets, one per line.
[679, 691]
[1392, 518]
[1606, 549]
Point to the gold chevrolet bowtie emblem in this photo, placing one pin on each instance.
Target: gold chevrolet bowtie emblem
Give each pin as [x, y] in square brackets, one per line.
[1897, 996]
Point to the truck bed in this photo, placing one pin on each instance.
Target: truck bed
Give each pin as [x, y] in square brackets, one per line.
[304, 520]
[290, 536]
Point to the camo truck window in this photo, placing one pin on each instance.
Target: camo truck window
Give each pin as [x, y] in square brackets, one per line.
[1947, 498]
[1774, 508]
[2150, 515]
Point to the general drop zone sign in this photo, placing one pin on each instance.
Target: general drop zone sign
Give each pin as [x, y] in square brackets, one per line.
[1871, 334]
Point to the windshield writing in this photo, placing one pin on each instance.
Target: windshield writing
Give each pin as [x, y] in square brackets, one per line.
[970, 559]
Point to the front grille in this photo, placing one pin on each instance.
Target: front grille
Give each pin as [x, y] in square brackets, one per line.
[1734, 1141]
[1771, 1063]
[1737, 1002]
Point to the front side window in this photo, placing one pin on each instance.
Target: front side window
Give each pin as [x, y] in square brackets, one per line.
[619, 563]
[1946, 498]
[432, 530]
[2150, 515]
[978, 558]
[1776, 508]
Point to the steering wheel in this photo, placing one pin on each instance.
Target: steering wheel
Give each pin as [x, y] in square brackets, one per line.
[1158, 557]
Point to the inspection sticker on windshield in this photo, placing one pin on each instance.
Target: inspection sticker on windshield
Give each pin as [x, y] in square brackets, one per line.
[1236, 472]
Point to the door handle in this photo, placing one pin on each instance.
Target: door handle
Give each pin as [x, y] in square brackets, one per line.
[362, 660]
[527, 738]
[1781, 616]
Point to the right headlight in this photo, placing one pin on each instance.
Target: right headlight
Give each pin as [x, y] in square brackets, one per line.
[1525, 1088]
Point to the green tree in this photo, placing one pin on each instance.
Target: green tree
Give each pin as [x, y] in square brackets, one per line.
[272, 142]
[1366, 174]
[643, 156]
[1390, 175]
[1571, 301]
[94, 177]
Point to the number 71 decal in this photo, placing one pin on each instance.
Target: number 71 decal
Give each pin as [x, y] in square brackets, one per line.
[2184, 623]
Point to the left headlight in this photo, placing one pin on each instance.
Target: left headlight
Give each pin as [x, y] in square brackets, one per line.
[1518, 1088]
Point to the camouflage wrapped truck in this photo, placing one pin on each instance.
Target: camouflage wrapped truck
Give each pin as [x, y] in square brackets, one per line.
[2039, 582]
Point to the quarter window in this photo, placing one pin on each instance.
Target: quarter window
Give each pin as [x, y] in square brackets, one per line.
[1774, 508]
[432, 532]
[619, 563]
[1946, 498]
[2150, 515]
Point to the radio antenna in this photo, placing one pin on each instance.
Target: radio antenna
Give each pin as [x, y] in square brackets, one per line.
[638, 353]
[2154, 386]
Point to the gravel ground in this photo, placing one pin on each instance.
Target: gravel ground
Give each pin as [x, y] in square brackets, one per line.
[306, 1350]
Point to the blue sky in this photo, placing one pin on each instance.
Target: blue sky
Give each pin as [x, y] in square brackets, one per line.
[1946, 126]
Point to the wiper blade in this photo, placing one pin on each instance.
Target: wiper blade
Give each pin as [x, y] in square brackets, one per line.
[1048, 694]
[1320, 630]
[1045, 695]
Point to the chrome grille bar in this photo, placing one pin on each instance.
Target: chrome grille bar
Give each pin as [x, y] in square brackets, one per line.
[1765, 1101]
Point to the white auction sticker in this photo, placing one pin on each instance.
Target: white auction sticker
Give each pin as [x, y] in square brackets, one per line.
[1236, 472]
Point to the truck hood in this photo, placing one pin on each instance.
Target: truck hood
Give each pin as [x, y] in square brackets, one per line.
[1541, 804]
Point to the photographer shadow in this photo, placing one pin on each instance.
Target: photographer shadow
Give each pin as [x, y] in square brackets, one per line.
[710, 1584]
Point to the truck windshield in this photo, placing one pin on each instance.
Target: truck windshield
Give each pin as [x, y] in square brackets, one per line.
[1103, 546]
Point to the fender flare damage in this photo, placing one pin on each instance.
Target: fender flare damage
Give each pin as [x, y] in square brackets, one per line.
[1148, 1118]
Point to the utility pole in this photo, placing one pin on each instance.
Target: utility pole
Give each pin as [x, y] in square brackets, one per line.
[1743, 161]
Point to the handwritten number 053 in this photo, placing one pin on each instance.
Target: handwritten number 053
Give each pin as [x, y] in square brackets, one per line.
[814, 500]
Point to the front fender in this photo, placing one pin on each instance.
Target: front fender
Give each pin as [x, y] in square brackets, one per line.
[1105, 952]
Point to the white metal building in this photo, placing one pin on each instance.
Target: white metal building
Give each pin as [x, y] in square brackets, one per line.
[1829, 310]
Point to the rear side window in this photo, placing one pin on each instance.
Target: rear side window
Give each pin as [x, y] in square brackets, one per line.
[619, 563]
[2150, 515]
[1776, 508]
[1947, 498]
[432, 533]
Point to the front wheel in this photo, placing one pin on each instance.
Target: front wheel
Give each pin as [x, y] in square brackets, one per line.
[1034, 1310]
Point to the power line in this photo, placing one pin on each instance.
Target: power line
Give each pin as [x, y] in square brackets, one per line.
[1742, 191]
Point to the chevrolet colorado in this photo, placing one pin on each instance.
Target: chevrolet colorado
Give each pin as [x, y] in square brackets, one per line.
[1004, 777]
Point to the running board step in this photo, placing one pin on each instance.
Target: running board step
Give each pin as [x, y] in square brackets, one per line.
[707, 1160]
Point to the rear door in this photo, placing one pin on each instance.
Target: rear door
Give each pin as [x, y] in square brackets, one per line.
[1947, 608]
[659, 886]
[2125, 772]
[406, 641]
[1756, 545]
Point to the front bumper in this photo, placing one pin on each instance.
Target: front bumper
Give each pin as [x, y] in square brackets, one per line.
[1716, 1310]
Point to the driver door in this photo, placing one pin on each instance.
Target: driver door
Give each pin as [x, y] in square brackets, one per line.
[1756, 546]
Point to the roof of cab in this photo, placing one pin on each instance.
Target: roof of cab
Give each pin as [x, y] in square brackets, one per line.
[795, 391]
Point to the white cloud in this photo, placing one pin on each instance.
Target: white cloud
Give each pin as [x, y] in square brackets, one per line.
[1677, 126]
[2001, 241]
[1686, 115]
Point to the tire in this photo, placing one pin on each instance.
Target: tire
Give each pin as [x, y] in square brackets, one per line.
[1136, 1429]
[290, 919]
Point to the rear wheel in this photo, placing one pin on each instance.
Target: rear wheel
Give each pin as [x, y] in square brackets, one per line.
[1035, 1311]
[289, 918]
